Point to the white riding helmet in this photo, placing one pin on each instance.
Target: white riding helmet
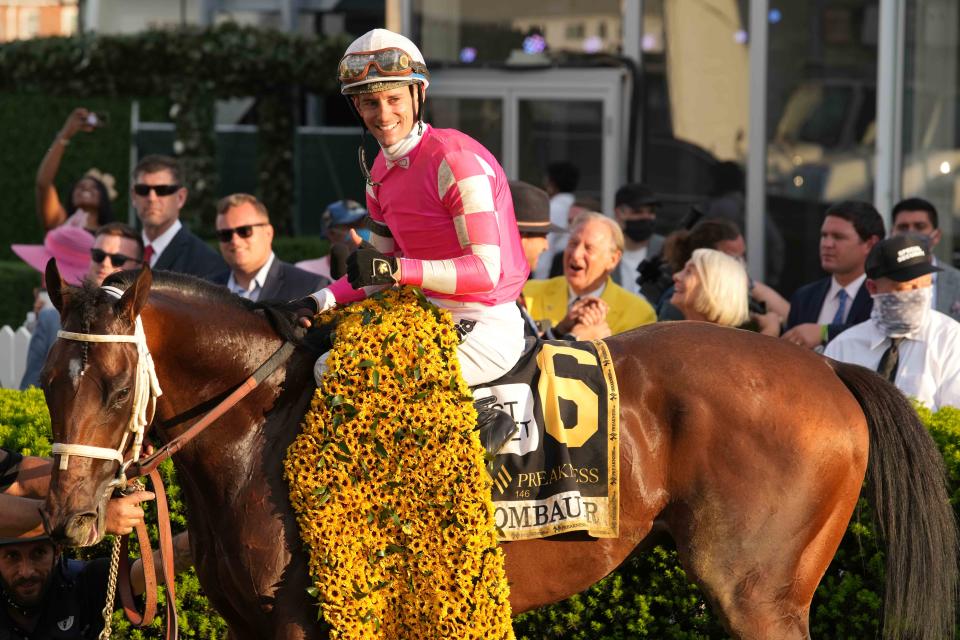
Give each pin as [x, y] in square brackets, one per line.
[380, 60]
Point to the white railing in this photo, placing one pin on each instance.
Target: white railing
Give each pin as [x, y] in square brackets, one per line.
[13, 356]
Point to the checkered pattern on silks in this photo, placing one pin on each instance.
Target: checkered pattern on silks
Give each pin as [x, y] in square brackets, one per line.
[445, 210]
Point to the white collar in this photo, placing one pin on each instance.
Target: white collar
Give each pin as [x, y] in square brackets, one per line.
[878, 337]
[256, 283]
[596, 293]
[396, 153]
[852, 289]
[161, 241]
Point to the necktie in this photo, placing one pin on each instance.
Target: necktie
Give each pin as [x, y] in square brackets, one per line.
[838, 316]
[147, 254]
[890, 359]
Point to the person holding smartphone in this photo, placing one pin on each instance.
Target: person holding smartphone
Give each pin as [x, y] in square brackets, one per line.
[88, 203]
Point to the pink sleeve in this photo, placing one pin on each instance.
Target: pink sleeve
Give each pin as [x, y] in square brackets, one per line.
[465, 186]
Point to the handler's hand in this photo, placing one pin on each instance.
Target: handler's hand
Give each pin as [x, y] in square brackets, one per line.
[124, 513]
[366, 267]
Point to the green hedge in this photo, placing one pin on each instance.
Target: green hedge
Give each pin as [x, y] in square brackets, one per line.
[17, 282]
[649, 597]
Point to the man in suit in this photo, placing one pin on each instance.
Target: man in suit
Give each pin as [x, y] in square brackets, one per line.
[821, 310]
[246, 242]
[158, 195]
[635, 207]
[592, 254]
[918, 216]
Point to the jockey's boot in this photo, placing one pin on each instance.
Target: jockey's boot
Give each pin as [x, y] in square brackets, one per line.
[496, 426]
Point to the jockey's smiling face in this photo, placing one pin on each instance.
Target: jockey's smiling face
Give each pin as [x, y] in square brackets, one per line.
[387, 114]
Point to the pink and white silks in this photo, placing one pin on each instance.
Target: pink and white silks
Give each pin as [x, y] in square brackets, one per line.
[445, 210]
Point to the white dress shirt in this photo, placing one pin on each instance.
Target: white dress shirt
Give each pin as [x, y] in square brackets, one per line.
[831, 303]
[251, 291]
[162, 241]
[929, 365]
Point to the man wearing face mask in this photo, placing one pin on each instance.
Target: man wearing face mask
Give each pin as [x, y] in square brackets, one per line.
[905, 341]
[635, 207]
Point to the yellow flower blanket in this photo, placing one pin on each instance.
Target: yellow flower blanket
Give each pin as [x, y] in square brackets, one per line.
[387, 479]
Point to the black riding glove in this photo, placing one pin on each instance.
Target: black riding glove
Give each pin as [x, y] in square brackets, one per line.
[301, 308]
[366, 266]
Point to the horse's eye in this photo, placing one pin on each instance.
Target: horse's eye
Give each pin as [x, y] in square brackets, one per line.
[120, 395]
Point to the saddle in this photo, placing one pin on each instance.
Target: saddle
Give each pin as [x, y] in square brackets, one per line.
[559, 471]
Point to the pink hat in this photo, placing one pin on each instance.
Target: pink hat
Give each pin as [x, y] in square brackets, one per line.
[68, 244]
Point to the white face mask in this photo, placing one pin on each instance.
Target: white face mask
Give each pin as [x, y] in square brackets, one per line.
[900, 313]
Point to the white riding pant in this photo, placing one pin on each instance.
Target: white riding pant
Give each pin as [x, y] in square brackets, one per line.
[491, 340]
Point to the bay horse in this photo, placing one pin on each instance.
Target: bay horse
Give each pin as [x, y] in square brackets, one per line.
[748, 451]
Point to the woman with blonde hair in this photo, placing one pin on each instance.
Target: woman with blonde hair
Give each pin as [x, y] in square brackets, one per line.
[712, 287]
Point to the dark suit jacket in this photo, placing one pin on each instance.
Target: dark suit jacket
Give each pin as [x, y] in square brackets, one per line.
[285, 282]
[806, 303]
[187, 253]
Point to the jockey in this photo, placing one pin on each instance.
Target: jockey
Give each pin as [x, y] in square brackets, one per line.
[441, 217]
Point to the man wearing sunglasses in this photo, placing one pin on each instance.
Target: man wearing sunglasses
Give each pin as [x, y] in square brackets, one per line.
[158, 195]
[246, 242]
[116, 246]
[441, 217]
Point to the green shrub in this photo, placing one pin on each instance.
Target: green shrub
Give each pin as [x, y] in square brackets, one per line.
[648, 597]
[300, 248]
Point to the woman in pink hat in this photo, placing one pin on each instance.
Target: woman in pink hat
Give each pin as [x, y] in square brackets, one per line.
[88, 204]
[68, 244]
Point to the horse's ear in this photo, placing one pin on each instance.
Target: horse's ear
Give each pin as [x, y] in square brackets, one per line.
[135, 297]
[55, 286]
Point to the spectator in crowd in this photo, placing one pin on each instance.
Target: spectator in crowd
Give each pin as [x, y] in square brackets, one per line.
[821, 310]
[560, 183]
[89, 203]
[338, 219]
[722, 235]
[158, 196]
[728, 201]
[916, 215]
[712, 287]
[531, 207]
[70, 245]
[635, 207]
[583, 204]
[115, 247]
[246, 242]
[592, 254]
[904, 340]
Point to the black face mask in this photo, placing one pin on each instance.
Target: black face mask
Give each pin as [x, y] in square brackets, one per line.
[640, 229]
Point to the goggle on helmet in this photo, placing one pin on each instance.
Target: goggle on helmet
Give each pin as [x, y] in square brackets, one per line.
[372, 71]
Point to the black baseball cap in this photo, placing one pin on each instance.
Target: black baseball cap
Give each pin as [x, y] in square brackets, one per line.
[531, 206]
[900, 258]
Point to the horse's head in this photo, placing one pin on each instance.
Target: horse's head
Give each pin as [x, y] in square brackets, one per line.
[90, 386]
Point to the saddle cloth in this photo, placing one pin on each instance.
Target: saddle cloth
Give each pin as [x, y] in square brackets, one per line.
[560, 473]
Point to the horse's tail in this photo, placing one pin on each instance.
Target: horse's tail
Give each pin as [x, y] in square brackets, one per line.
[905, 483]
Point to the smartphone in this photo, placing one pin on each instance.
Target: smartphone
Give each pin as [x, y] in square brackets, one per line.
[95, 119]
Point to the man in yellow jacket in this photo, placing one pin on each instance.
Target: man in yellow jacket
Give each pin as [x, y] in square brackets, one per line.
[592, 254]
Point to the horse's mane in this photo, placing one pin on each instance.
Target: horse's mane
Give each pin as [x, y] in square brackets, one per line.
[281, 320]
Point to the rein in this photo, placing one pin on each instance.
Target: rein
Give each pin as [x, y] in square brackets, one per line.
[146, 391]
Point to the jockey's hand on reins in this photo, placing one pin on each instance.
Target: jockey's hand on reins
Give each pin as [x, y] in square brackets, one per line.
[367, 266]
[302, 309]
